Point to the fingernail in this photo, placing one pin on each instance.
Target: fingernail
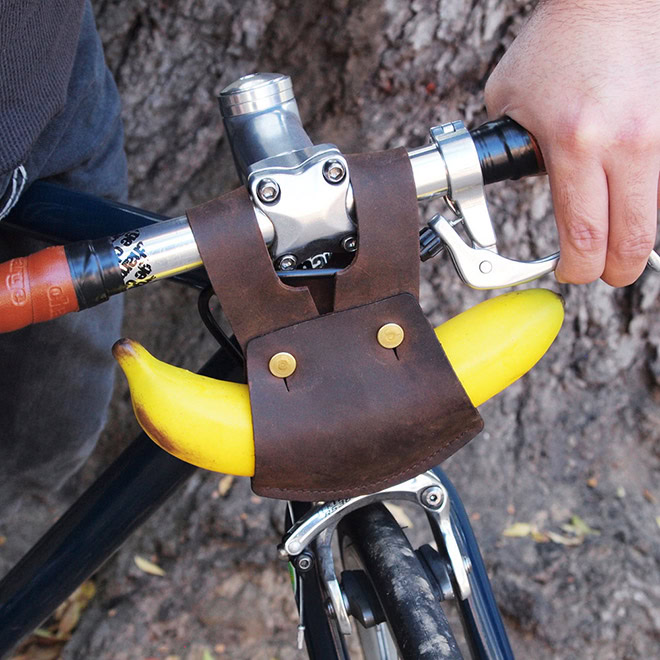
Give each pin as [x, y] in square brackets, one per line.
[559, 278]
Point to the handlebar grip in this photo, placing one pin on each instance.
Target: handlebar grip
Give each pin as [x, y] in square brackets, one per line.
[506, 151]
[36, 288]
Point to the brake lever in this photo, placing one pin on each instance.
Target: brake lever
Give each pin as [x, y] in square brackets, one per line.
[479, 265]
[481, 268]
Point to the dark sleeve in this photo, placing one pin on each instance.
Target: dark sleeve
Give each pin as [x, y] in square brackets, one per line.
[37, 46]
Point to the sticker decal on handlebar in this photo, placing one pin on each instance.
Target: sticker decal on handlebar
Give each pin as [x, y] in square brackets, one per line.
[133, 259]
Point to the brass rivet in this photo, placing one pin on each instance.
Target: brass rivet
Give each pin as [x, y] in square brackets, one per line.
[390, 335]
[282, 365]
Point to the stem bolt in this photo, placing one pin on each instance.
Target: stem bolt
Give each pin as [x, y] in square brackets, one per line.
[350, 244]
[268, 191]
[334, 171]
[433, 497]
[287, 262]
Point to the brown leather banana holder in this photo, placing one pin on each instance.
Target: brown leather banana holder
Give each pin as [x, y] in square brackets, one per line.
[353, 417]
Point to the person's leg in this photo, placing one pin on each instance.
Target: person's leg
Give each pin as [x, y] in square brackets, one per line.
[56, 378]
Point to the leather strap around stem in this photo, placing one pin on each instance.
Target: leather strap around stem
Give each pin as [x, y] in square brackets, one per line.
[239, 266]
[241, 270]
[387, 261]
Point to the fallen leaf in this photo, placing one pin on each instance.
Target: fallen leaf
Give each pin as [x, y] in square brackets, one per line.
[68, 613]
[592, 482]
[648, 496]
[579, 527]
[620, 492]
[565, 540]
[3, 540]
[225, 484]
[207, 655]
[539, 537]
[36, 652]
[518, 530]
[511, 510]
[147, 566]
[657, 520]
[45, 634]
[400, 515]
[69, 620]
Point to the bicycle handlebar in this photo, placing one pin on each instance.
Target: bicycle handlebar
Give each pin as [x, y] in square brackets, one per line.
[60, 280]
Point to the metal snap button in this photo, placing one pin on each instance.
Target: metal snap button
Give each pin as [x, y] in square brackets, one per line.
[390, 335]
[282, 365]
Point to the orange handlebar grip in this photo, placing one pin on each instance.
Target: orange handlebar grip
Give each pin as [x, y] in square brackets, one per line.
[36, 288]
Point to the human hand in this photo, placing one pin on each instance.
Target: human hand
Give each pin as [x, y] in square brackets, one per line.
[584, 79]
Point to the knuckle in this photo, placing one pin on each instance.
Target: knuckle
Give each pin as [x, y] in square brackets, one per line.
[634, 247]
[580, 133]
[585, 237]
[585, 132]
[638, 134]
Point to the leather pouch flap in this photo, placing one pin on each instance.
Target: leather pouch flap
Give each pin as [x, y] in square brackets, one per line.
[354, 417]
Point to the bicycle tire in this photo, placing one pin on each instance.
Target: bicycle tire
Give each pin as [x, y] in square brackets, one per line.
[372, 541]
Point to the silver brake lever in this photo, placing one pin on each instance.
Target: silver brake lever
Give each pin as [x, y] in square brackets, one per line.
[481, 268]
[479, 265]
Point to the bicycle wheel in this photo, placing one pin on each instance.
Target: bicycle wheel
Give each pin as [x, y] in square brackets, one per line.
[410, 623]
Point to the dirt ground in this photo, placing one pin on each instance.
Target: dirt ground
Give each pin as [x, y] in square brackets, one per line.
[568, 462]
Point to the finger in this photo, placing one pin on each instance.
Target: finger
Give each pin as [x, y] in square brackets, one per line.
[579, 194]
[633, 196]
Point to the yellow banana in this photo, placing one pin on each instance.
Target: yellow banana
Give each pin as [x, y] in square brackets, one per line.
[201, 420]
[494, 343]
[208, 422]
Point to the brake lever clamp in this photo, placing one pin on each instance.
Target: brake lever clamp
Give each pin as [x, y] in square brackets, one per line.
[479, 265]
[465, 181]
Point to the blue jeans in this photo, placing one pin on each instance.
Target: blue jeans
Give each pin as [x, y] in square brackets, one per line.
[56, 379]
